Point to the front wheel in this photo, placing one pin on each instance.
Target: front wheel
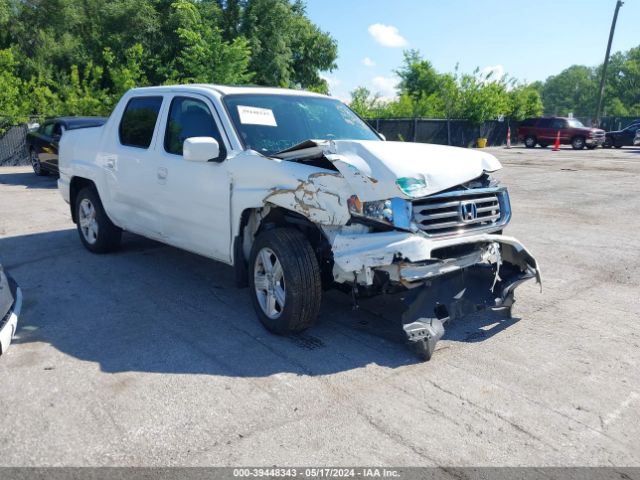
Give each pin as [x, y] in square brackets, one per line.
[530, 142]
[35, 164]
[97, 233]
[578, 143]
[284, 281]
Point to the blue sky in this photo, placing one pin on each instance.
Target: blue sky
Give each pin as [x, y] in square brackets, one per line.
[528, 40]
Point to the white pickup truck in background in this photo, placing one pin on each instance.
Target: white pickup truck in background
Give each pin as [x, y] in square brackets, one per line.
[300, 195]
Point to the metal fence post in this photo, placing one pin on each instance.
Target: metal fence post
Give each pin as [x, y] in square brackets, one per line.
[415, 129]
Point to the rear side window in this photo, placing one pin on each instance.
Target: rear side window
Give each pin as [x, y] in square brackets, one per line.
[139, 121]
[559, 123]
[47, 129]
[188, 118]
[544, 123]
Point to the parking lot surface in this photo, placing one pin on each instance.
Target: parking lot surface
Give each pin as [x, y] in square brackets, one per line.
[151, 356]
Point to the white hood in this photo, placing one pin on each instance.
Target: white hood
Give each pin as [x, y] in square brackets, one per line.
[376, 169]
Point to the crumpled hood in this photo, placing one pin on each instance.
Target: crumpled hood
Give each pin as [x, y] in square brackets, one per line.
[378, 170]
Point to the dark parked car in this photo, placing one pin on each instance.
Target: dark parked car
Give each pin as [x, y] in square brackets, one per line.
[543, 132]
[622, 138]
[10, 306]
[43, 142]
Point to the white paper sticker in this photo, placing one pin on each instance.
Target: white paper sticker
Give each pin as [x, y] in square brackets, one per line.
[256, 116]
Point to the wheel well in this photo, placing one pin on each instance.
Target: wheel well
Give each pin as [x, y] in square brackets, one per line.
[255, 221]
[77, 184]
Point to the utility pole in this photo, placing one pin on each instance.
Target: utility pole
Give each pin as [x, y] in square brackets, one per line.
[619, 4]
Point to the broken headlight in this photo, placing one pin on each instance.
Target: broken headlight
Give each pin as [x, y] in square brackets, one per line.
[394, 211]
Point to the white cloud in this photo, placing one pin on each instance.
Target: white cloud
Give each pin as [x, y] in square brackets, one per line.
[367, 62]
[333, 82]
[496, 72]
[385, 86]
[387, 35]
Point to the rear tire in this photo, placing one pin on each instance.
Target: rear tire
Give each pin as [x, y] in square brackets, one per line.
[97, 233]
[618, 146]
[35, 164]
[530, 141]
[284, 281]
[578, 143]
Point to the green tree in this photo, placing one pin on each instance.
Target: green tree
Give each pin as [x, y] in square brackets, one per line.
[10, 88]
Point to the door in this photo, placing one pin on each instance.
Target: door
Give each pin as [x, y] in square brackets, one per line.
[50, 150]
[130, 164]
[194, 196]
[627, 136]
[545, 133]
[42, 143]
[560, 125]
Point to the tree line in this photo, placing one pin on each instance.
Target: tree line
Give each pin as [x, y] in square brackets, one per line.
[77, 57]
[425, 92]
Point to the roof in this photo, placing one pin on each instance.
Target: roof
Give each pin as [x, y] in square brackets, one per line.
[79, 122]
[228, 90]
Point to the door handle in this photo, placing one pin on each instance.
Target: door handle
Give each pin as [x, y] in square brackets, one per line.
[162, 173]
[110, 163]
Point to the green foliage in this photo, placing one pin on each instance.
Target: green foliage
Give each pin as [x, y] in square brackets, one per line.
[425, 92]
[79, 56]
[576, 88]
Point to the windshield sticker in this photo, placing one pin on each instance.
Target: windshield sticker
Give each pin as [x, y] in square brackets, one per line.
[256, 116]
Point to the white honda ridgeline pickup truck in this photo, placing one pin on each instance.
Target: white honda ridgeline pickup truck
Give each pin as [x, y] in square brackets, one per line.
[299, 195]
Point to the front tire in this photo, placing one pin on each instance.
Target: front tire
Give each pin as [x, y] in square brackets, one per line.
[284, 281]
[530, 142]
[578, 143]
[35, 164]
[97, 233]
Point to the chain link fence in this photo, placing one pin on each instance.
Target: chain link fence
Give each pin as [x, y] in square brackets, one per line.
[460, 133]
[13, 146]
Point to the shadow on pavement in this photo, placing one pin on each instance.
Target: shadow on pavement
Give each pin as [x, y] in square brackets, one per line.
[154, 308]
[28, 179]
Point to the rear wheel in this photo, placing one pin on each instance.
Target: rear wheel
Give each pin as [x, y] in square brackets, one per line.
[35, 164]
[97, 233]
[284, 280]
[578, 143]
[618, 146]
[529, 142]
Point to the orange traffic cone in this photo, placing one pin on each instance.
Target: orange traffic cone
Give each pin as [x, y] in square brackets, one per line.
[556, 147]
[509, 137]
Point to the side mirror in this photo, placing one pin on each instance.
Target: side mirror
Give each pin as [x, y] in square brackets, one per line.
[201, 149]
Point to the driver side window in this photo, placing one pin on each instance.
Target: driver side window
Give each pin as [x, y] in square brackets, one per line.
[189, 117]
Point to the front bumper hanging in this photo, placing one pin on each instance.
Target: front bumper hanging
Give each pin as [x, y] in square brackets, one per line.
[425, 310]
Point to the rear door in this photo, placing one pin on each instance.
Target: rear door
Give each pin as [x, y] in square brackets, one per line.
[561, 125]
[545, 133]
[194, 196]
[42, 142]
[130, 165]
[50, 158]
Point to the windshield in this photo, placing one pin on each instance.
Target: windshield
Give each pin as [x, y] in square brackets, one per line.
[272, 123]
[573, 123]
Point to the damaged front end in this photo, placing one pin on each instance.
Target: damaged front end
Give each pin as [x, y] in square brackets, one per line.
[425, 235]
[464, 277]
